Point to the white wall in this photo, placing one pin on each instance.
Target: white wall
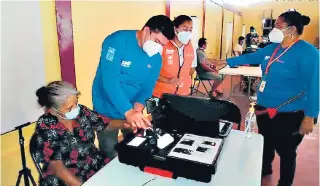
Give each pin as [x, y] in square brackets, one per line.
[22, 62]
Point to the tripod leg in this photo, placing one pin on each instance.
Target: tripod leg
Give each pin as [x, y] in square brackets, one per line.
[31, 178]
[19, 178]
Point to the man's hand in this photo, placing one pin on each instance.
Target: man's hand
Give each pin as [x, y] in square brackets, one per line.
[210, 61]
[220, 62]
[138, 107]
[306, 125]
[136, 119]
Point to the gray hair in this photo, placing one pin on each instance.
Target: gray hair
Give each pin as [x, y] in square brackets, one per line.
[55, 94]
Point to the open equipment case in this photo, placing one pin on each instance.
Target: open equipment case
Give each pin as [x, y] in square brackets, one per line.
[196, 129]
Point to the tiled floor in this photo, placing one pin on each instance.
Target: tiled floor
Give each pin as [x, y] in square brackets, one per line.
[307, 171]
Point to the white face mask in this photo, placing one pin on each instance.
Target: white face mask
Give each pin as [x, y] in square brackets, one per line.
[276, 35]
[184, 37]
[70, 115]
[151, 48]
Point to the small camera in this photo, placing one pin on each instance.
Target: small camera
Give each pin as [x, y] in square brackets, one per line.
[151, 105]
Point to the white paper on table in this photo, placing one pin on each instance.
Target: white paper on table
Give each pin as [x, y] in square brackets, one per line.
[136, 141]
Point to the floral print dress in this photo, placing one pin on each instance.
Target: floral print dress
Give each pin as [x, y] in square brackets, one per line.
[75, 149]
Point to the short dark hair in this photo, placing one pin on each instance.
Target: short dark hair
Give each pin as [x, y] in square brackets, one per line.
[163, 24]
[202, 41]
[294, 18]
[252, 28]
[240, 38]
[180, 20]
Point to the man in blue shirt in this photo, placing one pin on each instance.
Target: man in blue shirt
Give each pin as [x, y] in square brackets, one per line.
[290, 68]
[129, 66]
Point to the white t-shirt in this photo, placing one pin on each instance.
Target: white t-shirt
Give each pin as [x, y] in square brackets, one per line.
[238, 48]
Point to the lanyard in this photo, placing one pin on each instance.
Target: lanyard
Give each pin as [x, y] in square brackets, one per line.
[272, 60]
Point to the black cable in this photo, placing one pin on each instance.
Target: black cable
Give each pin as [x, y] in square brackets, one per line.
[149, 181]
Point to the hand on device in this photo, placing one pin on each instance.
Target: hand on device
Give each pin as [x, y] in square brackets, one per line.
[136, 119]
[138, 107]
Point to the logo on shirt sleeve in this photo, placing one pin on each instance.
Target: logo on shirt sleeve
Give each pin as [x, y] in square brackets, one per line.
[267, 57]
[126, 64]
[110, 54]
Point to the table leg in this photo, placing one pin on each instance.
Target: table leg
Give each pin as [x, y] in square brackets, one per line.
[249, 88]
[230, 89]
[223, 76]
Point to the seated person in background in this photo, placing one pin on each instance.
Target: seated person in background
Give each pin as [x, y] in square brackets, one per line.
[178, 61]
[206, 69]
[252, 39]
[65, 137]
[128, 69]
[238, 49]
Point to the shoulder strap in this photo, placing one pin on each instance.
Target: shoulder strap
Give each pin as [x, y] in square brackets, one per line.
[291, 100]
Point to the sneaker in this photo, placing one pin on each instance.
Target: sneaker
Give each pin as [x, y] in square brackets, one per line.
[217, 93]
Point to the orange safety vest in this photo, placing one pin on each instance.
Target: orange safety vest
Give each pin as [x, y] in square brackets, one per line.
[171, 68]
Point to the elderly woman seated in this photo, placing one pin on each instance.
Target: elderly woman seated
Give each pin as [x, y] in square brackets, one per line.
[65, 137]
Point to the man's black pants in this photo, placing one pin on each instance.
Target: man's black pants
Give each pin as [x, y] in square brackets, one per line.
[281, 135]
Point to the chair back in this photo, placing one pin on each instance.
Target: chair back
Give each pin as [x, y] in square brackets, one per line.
[33, 148]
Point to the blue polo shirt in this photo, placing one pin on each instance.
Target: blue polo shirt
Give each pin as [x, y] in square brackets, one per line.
[294, 72]
[125, 75]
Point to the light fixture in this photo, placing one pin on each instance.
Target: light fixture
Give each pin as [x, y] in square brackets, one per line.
[243, 2]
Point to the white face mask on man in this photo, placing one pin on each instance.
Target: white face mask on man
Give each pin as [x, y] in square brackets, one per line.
[184, 37]
[151, 48]
[276, 35]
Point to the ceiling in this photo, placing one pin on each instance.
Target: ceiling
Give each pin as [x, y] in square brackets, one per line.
[243, 2]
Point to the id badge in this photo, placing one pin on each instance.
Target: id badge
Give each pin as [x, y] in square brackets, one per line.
[263, 84]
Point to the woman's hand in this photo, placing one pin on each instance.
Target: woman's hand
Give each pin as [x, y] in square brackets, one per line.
[63, 173]
[116, 124]
[136, 119]
[79, 183]
[306, 125]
